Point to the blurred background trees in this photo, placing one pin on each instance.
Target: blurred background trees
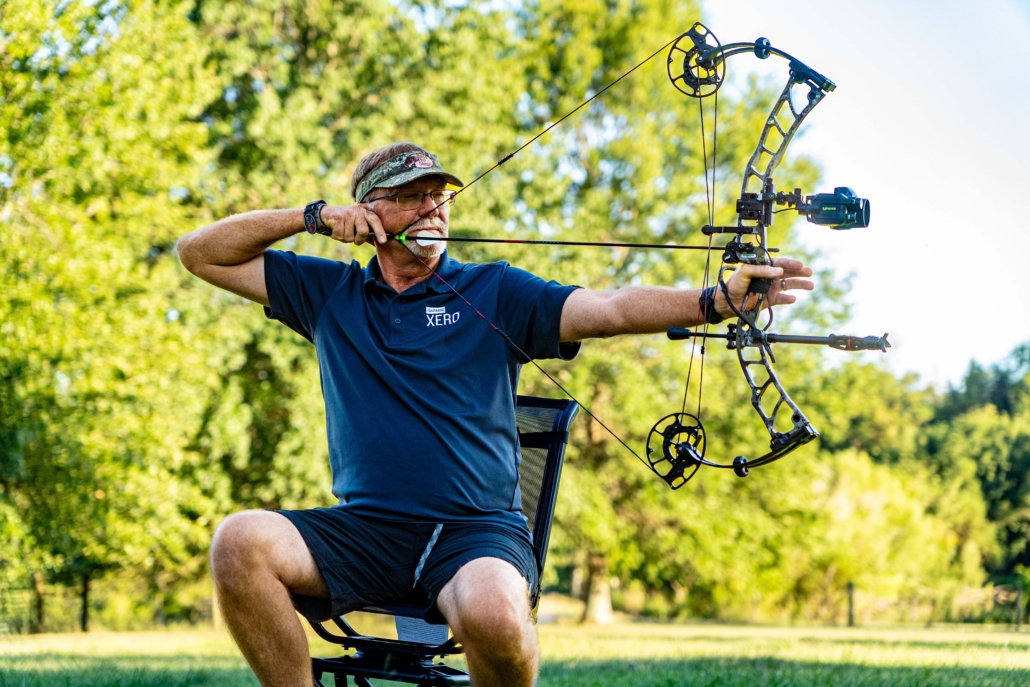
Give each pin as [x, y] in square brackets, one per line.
[139, 406]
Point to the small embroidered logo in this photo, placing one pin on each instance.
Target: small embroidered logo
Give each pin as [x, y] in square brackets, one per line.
[418, 161]
[437, 317]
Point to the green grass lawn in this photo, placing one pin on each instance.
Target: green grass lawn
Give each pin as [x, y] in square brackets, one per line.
[636, 654]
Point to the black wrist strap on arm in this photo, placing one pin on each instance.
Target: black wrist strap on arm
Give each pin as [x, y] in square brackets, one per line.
[313, 218]
[707, 306]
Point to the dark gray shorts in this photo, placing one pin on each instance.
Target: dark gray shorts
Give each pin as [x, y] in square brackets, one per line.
[367, 561]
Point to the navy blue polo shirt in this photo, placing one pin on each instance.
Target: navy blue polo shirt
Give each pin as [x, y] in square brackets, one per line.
[419, 390]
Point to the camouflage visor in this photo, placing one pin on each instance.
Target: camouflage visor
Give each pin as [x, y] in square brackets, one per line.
[401, 169]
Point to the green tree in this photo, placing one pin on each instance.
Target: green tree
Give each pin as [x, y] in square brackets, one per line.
[95, 382]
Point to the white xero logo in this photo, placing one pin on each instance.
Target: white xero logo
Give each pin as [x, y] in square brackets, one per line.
[439, 316]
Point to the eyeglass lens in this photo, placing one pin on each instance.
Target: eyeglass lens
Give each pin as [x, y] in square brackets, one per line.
[410, 200]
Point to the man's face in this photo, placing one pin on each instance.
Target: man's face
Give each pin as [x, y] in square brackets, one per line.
[425, 219]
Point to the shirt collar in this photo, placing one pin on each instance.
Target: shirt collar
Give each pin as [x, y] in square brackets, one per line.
[448, 269]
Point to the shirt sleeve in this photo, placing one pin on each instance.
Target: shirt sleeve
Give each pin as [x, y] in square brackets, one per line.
[298, 287]
[530, 312]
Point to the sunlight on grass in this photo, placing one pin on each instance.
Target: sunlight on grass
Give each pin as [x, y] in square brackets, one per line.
[626, 654]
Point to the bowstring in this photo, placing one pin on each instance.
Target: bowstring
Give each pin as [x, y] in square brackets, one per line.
[523, 357]
[544, 131]
[501, 332]
[708, 257]
[567, 115]
[710, 208]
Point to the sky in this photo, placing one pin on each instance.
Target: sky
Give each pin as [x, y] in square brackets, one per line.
[930, 121]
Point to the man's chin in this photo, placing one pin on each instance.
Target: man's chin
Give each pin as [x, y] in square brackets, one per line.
[425, 252]
[425, 249]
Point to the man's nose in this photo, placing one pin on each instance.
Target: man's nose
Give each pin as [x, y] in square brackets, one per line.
[428, 208]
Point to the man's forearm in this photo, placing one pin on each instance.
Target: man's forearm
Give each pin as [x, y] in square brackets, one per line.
[632, 310]
[239, 238]
[653, 309]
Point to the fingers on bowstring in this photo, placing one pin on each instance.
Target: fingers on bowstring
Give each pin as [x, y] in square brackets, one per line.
[360, 229]
[375, 225]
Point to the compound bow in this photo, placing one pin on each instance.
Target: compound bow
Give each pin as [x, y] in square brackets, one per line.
[697, 67]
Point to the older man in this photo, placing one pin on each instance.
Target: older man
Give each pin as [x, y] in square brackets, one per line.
[419, 395]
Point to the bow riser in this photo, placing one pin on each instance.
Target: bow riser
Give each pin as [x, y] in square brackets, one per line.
[754, 180]
[781, 443]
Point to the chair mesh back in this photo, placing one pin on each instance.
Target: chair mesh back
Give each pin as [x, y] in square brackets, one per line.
[534, 460]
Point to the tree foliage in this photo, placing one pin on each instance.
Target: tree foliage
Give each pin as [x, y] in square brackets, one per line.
[139, 406]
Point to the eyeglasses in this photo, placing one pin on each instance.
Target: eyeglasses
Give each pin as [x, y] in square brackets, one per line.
[412, 200]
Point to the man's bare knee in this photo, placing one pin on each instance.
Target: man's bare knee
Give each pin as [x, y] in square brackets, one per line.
[237, 543]
[487, 604]
[262, 544]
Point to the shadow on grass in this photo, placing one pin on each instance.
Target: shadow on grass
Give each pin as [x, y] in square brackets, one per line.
[760, 672]
[62, 670]
[1017, 643]
[47, 670]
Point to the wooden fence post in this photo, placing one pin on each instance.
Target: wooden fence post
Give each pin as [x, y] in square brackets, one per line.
[1019, 607]
[84, 616]
[851, 604]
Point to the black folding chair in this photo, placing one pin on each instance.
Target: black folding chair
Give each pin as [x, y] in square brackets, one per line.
[422, 632]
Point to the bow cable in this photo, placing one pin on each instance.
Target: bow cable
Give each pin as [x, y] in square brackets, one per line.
[501, 332]
[710, 206]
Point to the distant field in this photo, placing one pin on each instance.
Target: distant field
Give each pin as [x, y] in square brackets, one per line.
[642, 655]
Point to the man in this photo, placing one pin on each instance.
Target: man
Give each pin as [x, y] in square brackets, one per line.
[419, 398]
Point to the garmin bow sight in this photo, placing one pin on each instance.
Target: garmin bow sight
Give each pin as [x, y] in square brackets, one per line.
[841, 209]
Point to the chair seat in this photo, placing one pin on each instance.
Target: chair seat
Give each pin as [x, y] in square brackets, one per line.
[396, 668]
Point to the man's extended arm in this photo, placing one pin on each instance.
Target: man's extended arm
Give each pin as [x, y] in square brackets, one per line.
[651, 309]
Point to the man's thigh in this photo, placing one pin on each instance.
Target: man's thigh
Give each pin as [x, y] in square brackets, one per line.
[467, 557]
[485, 585]
[364, 561]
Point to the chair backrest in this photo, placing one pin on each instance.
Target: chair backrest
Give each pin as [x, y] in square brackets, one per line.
[543, 425]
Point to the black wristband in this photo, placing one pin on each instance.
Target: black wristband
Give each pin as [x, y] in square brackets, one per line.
[706, 304]
[313, 218]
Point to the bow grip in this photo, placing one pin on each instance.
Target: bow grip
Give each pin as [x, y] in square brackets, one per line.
[760, 285]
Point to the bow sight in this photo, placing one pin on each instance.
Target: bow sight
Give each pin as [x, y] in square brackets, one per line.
[676, 444]
[841, 209]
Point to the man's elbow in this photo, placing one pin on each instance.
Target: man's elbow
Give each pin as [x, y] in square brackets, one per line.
[187, 256]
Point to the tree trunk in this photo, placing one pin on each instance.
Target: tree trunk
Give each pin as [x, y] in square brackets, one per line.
[84, 616]
[578, 584]
[37, 588]
[599, 592]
